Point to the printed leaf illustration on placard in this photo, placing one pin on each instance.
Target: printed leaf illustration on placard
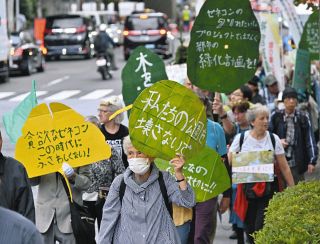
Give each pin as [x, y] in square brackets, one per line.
[167, 118]
[49, 140]
[310, 40]
[143, 69]
[224, 46]
[205, 173]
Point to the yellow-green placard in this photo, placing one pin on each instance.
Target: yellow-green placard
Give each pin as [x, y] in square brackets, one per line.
[224, 47]
[205, 172]
[50, 138]
[167, 118]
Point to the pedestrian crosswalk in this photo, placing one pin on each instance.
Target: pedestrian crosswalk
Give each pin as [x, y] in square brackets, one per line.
[57, 95]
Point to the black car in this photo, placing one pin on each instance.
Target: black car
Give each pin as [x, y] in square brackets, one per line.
[69, 35]
[150, 30]
[26, 55]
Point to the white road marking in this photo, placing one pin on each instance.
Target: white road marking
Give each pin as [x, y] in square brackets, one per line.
[24, 95]
[62, 95]
[56, 81]
[96, 94]
[6, 94]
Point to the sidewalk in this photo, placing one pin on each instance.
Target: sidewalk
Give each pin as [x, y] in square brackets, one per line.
[224, 230]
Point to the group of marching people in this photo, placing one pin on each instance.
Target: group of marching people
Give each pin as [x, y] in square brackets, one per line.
[133, 201]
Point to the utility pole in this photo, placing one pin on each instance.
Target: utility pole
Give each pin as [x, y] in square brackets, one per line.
[39, 8]
[10, 13]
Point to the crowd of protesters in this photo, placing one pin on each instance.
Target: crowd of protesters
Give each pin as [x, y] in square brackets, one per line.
[128, 195]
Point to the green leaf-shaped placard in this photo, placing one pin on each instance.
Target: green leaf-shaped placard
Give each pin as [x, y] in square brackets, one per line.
[167, 118]
[224, 46]
[143, 69]
[205, 172]
[310, 40]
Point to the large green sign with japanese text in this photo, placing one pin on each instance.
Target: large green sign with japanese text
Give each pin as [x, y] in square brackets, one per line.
[224, 47]
[167, 118]
[205, 173]
[310, 40]
[143, 69]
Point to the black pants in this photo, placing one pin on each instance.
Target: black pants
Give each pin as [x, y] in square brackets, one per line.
[255, 215]
[95, 209]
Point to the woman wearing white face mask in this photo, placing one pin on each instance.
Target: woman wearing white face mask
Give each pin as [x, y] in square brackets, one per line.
[135, 210]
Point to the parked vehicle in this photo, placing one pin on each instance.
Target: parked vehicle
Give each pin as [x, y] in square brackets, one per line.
[4, 43]
[150, 30]
[69, 35]
[26, 55]
[103, 65]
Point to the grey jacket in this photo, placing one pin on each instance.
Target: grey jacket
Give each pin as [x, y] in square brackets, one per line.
[52, 199]
[142, 217]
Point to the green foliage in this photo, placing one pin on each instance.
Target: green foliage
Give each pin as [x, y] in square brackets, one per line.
[293, 216]
[28, 8]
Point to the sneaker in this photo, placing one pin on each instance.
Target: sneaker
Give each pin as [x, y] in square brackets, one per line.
[233, 236]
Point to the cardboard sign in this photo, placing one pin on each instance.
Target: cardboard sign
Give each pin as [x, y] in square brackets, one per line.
[50, 138]
[142, 70]
[167, 118]
[250, 167]
[205, 173]
[310, 40]
[224, 47]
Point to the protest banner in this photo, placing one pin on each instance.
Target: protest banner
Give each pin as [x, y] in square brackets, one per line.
[250, 167]
[301, 76]
[310, 40]
[167, 118]
[271, 46]
[50, 138]
[205, 173]
[143, 69]
[13, 120]
[224, 47]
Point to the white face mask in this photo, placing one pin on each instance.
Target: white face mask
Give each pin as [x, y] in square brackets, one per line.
[139, 166]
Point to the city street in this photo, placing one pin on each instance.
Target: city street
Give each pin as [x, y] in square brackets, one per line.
[74, 82]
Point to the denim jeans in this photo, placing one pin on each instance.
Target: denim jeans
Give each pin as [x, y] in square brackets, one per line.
[183, 231]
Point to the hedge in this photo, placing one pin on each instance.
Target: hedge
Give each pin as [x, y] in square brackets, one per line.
[293, 216]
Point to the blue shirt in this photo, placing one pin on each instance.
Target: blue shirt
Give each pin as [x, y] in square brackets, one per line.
[216, 138]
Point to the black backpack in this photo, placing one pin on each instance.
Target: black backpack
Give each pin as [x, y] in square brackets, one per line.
[273, 140]
[163, 189]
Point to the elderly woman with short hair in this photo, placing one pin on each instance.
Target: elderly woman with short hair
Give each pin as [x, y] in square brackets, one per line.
[258, 139]
[140, 215]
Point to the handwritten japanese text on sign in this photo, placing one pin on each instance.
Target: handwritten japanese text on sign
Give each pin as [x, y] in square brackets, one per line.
[143, 69]
[205, 173]
[166, 119]
[310, 40]
[49, 141]
[224, 46]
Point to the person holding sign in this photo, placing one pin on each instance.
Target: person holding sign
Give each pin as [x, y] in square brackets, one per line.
[138, 204]
[257, 139]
